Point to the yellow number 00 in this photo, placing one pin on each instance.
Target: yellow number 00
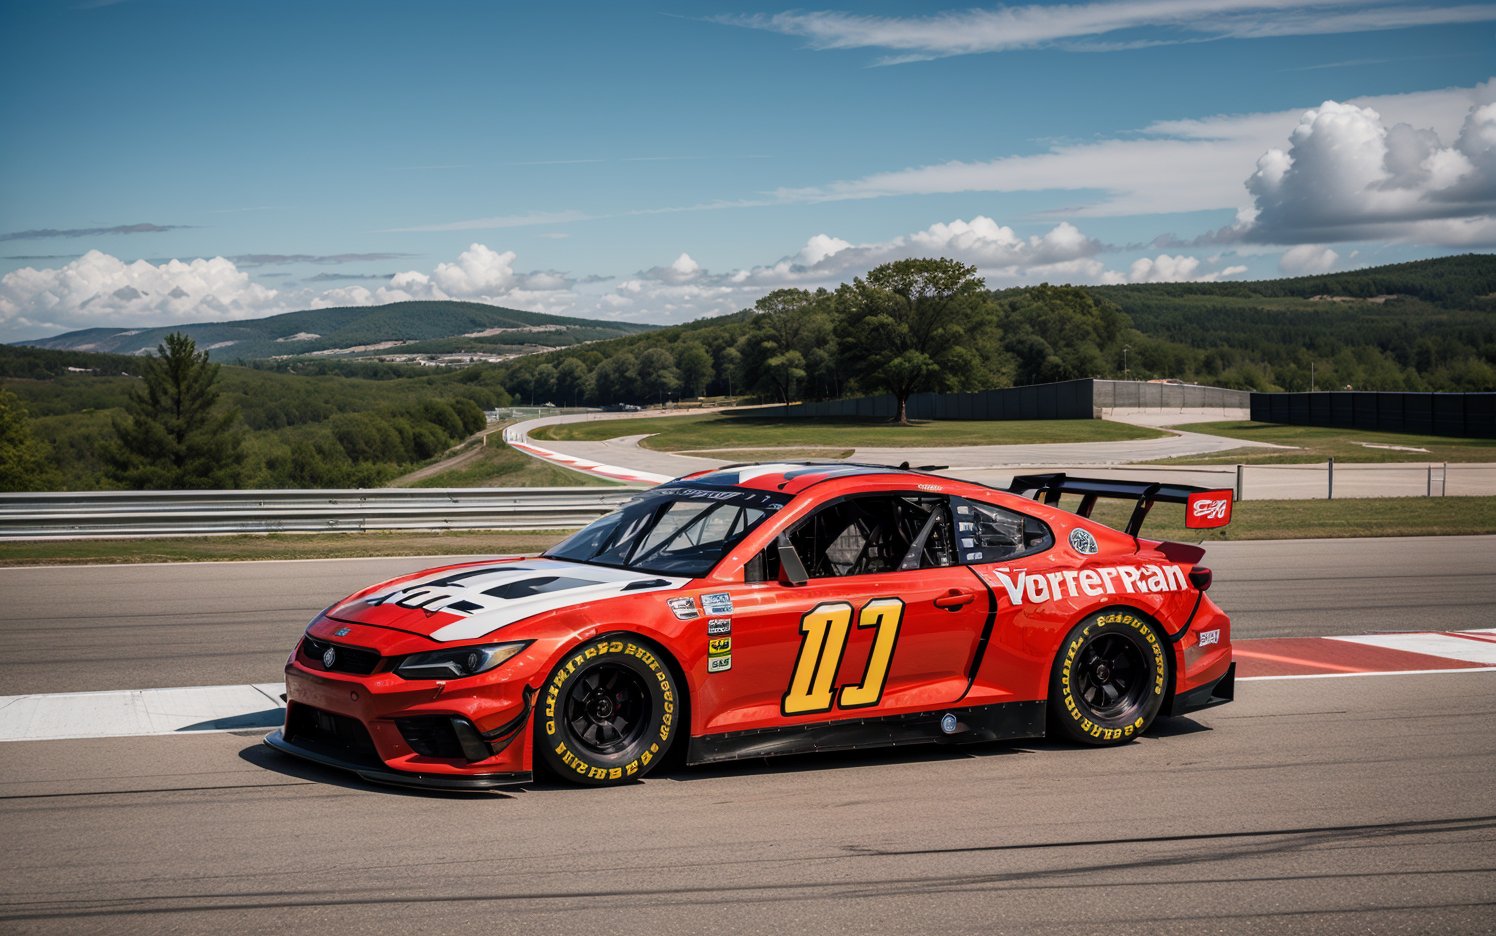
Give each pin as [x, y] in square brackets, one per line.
[826, 627]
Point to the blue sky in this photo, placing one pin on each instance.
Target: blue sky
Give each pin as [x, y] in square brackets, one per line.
[182, 161]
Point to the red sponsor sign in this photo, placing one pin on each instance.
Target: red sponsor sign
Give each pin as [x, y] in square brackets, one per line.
[1207, 509]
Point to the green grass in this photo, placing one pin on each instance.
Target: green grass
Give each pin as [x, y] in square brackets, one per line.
[1316, 444]
[1318, 519]
[278, 546]
[773, 454]
[715, 431]
[498, 465]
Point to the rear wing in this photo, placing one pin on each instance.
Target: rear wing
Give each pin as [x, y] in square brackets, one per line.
[1206, 508]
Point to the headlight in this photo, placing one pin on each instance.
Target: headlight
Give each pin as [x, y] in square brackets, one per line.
[462, 661]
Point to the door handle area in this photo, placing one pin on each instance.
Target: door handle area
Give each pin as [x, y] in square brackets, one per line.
[955, 599]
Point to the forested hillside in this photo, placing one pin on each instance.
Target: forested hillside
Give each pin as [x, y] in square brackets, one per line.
[413, 327]
[303, 430]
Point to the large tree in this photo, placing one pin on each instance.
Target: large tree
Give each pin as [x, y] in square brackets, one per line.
[695, 365]
[658, 377]
[915, 325]
[25, 463]
[175, 435]
[573, 382]
[789, 326]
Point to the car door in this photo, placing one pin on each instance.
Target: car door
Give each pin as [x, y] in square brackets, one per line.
[887, 622]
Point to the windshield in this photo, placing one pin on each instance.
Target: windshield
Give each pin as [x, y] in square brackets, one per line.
[671, 530]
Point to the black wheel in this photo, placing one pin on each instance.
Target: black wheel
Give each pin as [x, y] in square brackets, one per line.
[1109, 679]
[609, 713]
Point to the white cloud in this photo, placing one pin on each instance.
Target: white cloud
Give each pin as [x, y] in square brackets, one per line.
[479, 274]
[1307, 259]
[1074, 26]
[1348, 174]
[100, 290]
[1171, 269]
[685, 290]
[1169, 166]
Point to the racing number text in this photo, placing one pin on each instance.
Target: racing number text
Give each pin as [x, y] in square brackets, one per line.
[825, 628]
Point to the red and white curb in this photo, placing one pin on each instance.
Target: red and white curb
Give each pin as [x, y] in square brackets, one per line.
[207, 709]
[612, 472]
[1373, 655]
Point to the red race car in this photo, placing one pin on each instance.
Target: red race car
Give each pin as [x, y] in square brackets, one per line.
[770, 609]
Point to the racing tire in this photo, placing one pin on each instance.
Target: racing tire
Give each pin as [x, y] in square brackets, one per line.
[1109, 679]
[608, 712]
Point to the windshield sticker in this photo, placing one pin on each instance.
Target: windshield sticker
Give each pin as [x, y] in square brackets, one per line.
[1083, 542]
[683, 608]
[720, 603]
[718, 626]
[1040, 587]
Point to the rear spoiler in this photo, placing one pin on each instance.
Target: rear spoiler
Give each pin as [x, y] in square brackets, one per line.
[1206, 507]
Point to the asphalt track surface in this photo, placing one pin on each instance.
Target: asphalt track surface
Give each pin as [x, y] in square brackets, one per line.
[1342, 805]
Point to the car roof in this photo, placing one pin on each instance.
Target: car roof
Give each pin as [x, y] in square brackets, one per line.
[793, 477]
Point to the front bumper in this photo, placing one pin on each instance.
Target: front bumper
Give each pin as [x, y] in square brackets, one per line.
[381, 774]
[460, 734]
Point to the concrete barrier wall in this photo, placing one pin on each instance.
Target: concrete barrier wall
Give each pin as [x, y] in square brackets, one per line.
[1133, 394]
[1470, 415]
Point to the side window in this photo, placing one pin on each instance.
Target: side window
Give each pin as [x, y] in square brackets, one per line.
[870, 535]
[988, 533]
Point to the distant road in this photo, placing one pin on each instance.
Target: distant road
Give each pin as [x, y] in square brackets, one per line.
[80, 628]
[996, 464]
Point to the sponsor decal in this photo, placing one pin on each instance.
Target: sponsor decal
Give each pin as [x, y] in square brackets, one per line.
[1206, 510]
[1038, 587]
[719, 646]
[342, 632]
[717, 626]
[932, 488]
[719, 664]
[1210, 637]
[683, 608]
[1083, 542]
[720, 603]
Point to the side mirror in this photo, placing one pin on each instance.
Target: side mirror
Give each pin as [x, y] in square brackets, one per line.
[791, 569]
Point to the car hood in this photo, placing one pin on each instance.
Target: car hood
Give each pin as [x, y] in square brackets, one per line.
[466, 602]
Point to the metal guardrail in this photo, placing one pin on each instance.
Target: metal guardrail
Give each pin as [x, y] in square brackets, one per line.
[121, 514]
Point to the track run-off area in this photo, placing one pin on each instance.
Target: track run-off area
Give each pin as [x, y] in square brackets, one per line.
[1328, 798]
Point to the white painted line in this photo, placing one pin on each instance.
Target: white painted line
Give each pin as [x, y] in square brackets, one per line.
[131, 712]
[1439, 645]
[1411, 672]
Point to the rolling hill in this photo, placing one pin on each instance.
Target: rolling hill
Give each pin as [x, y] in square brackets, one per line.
[400, 327]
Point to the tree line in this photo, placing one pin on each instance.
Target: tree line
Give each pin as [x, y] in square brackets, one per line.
[930, 325]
